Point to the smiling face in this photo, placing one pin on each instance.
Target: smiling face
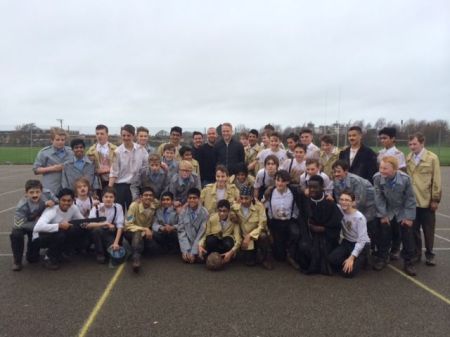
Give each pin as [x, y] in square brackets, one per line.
[59, 141]
[315, 189]
[82, 189]
[127, 137]
[312, 170]
[386, 141]
[252, 139]
[339, 173]
[281, 185]
[227, 133]
[221, 179]
[65, 202]
[142, 138]
[386, 169]
[274, 143]
[102, 136]
[169, 155]
[197, 141]
[147, 198]
[166, 202]
[78, 151]
[246, 200]
[193, 201]
[211, 135]
[291, 144]
[306, 138]
[346, 202]
[299, 154]
[223, 213]
[175, 138]
[326, 147]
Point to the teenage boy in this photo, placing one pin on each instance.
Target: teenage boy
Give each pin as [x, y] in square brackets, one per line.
[229, 152]
[139, 220]
[154, 176]
[50, 160]
[274, 149]
[186, 154]
[423, 167]
[53, 229]
[313, 169]
[143, 136]
[102, 154]
[395, 203]
[251, 152]
[79, 166]
[328, 154]
[252, 220]
[206, 160]
[168, 161]
[165, 224]
[352, 252]
[191, 226]
[28, 210]
[292, 141]
[174, 138]
[182, 182]
[129, 163]
[306, 138]
[222, 234]
[387, 137]
[361, 159]
[265, 176]
[197, 142]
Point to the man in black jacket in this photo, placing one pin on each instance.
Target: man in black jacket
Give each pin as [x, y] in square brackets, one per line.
[206, 158]
[362, 159]
[229, 152]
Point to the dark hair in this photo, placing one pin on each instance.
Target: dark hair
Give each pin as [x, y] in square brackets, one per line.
[310, 161]
[184, 149]
[327, 139]
[194, 191]
[283, 175]
[355, 128]
[147, 188]
[342, 163]
[176, 129]
[101, 127]
[128, 128]
[241, 168]
[142, 129]
[302, 146]
[66, 191]
[167, 194]
[420, 137]
[293, 136]
[388, 131]
[254, 132]
[169, 147]
[222, 168]
[273, 158]
[269, 127]
[223, 203]
[109, 189]
[196, 133]
[275, 134]
[318, 179]
[76, 142]
[349, 193]
[33, 183]
[306, 130]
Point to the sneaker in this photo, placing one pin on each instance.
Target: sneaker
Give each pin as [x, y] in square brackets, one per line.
[409, 269]
[17, 266]
[100, 258]
[48, 264]
[136, 264]
[379, 264]
[292, 263]
[430, 261]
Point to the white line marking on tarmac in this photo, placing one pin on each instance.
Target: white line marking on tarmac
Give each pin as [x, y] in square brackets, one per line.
[13, 191]
[441, 237]
[444, 215]
[6, 210]
[6, 255]
[443, 229]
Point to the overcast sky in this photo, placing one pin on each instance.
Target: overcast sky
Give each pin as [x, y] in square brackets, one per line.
[199, 63]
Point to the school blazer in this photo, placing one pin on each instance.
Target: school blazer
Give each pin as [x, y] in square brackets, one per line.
[93, 154]
[172, 219]
[190, 232]
[364, 164]
[209, 196]
[254, 223]
[213, 227]
[426, 178]
[138, 217]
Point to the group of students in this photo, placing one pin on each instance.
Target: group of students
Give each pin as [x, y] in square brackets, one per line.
[320, 209]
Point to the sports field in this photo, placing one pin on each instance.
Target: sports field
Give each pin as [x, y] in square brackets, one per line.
[27, 155]
[170, 298]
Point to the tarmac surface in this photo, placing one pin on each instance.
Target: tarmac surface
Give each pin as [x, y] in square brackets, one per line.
[170, 298]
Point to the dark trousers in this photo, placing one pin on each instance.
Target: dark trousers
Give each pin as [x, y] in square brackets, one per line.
[261, 251]
[167, 241]
[372, 232]
[286, 234]
[139, 244]
[102, 238]
[54, 242]
[17, 238]
[342, 252]
[99, 192]
[219, 245]
[426, 219]
[385, 240]
[123, 195]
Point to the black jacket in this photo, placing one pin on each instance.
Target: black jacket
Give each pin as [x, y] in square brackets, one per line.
[231, 155]
[364, 164]
[207, 162]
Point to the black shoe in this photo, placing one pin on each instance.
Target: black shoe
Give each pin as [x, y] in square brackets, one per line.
[430, 261]
[379, 264]
[416, 259]
[17, 266]
[409, 269]
[136, 264]
[48, 264]
[395, 255]
[250, 258]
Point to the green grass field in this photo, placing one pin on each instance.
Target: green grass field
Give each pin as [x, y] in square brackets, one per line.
[26, 155]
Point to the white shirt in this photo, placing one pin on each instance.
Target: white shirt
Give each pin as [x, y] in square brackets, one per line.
[394, 152]
[280, 154]
[312, 151]
[52, 217]
[103, 149]
[327, 183]
[418, 157]
[296, 166]
[263, 179]
[281, 204]
[108, 212]
[353, 153]
[354, 229]
[84, 205]
[129, 164]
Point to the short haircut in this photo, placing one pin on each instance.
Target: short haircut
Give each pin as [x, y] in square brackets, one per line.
[242, 168]
[243, 135]
[273, 158]
[301, 146]
[176, 129]
[101, 127]
[306, 130]
[327, 139]
[147, 188]
[292, 136]
[33, 183]
[227, 124]
[419, 135]
[254, 132]
[194, 191]
[355, 128]
[184, 149]
[76, 142]
[349, 193]
[168, 147]
[391, 160]
[154, 158]
[223, 203]
[275, 134]
[57, 132]
[317, 179]
[167, 194]
[269, 127]
[283, 175]
[222, 168]
[109, 189]
[388, 131]
[312, 161]
[66, 191]
[342, 163]
[197, 133]
[142, 129]
[128, 128]
[82, 180]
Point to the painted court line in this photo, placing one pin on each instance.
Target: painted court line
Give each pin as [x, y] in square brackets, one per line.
[98, 306]
[441, 237]
[443, 215]
[7, 210]
[421, 285]
[13, 191]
